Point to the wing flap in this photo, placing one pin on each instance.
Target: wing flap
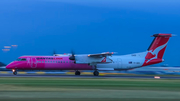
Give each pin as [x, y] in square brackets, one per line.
[101, 54]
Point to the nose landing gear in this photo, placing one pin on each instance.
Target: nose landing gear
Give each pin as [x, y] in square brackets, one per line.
[14, 71]
[77, 73]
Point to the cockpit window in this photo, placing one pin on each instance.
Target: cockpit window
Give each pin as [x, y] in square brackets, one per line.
[18, 59]
[21, 59]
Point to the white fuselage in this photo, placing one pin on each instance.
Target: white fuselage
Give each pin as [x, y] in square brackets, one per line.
[124, 62]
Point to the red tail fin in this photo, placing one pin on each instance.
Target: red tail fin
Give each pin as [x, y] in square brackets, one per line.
[156, 49]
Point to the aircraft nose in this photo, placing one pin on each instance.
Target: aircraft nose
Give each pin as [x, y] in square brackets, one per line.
[9, 66]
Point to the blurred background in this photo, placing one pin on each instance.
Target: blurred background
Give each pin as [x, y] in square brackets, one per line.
[38, 27]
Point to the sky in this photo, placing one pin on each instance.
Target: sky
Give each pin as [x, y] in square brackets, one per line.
[39, 27]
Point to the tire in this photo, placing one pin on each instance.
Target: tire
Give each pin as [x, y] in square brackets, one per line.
[77, 73]
[96, 73]
[15, 72]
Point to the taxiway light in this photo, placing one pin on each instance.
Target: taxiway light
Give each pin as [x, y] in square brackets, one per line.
[157, 77]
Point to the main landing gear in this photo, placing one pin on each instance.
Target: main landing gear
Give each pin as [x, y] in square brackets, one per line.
[77, 73]
[14, 71]
[96, 73]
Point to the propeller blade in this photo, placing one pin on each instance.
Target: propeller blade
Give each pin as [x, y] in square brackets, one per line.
[72, 57]
[54, 52]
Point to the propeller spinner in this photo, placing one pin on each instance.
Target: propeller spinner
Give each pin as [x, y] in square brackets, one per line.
[72, 57]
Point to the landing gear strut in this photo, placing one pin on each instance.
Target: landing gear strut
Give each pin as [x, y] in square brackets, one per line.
[14, 72]
[77, 72]
[96, 73]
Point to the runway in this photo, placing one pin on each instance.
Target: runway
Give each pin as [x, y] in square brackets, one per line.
[91, 76]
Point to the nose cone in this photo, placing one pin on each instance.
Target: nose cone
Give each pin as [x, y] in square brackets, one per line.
[9, 66]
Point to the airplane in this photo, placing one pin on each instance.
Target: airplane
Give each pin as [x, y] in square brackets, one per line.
[97, 62]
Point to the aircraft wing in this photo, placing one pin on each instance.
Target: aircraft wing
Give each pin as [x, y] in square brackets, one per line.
[101, 54]
[94, 58]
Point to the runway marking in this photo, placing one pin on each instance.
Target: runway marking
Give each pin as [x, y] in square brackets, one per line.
[22, 72]
[40, 72]
[69, 72]
[87, 73]
[101, 74]
[4, 72]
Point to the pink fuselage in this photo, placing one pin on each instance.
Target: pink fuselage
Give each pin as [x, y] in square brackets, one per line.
[47, 63]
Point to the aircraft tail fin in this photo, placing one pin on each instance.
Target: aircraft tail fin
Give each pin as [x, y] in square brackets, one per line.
[157, 48]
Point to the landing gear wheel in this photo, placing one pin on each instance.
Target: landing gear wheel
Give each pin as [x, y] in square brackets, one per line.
[96, 73]
[77, 72]
[15, 72]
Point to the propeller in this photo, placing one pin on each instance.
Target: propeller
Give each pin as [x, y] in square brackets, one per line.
[72, 57]
[54, 52]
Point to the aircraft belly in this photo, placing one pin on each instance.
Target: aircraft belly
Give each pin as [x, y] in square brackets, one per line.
[109, 66]
[82, 67]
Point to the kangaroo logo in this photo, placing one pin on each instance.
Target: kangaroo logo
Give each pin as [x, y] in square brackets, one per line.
[28, 61]
[154, 53]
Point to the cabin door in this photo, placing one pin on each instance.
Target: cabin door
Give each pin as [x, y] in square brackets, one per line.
[33, 63]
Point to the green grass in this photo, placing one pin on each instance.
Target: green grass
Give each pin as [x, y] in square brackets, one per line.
[88, 89]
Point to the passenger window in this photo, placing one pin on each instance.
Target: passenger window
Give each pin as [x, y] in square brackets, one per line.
[42, 61]
[63, 61]
[58, 61]
[66, 61]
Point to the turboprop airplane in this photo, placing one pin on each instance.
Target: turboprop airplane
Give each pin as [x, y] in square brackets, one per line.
[96, 62]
